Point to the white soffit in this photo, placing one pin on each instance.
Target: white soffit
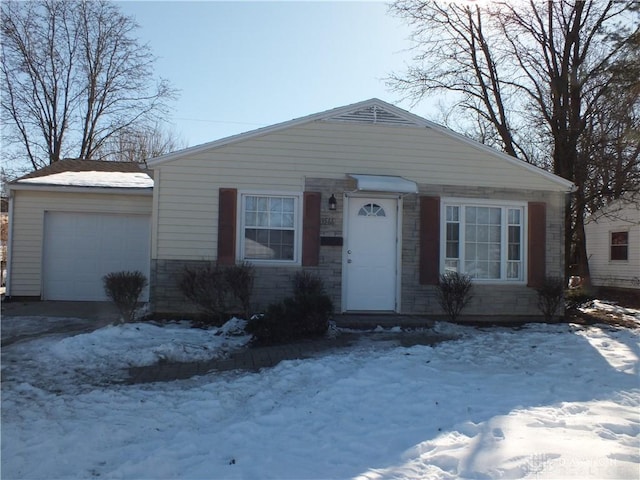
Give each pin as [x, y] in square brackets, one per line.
[384, 183]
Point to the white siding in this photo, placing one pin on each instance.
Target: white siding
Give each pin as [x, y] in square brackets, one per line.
[617, 273]
[187, 187]
[27, 227]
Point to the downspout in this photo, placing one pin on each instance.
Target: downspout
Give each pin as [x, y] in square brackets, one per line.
[9, 246]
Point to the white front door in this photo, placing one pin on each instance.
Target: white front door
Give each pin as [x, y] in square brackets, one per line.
[371, 255]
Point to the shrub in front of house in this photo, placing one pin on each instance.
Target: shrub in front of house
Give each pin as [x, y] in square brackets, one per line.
[550, 297]
[124, 290]
[454, 293]
[204, 287]
[239, 279]
[217, 291]
[305, 315]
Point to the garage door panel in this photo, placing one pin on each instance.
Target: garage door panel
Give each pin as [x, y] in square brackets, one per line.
[80, 248]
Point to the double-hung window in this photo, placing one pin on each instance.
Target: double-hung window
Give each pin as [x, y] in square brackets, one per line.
[619, 246]
[484, 241]
[270, 227]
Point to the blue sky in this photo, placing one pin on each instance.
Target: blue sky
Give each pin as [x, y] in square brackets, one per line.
[243, 65]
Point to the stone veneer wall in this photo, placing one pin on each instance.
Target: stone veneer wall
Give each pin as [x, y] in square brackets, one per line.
[274, 283]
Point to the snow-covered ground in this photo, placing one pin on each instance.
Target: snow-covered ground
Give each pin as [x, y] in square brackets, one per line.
[542, 401]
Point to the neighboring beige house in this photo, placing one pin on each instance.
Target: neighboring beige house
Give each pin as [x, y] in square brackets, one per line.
[373, 199]
[73, 222]
[613, 244]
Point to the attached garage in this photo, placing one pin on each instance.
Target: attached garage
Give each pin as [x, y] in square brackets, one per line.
[72, 223]
[80, 248]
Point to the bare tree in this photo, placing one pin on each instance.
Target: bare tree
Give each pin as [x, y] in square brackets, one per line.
[535, 75]
[73, 76]
[140, 145]
[612, 135]
[460, 51]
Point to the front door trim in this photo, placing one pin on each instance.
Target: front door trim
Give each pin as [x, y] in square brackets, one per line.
[350, 196]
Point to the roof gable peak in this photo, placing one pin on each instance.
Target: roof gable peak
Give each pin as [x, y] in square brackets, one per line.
[375, 112]
[386, 113]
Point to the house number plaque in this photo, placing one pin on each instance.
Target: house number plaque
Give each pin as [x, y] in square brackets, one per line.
[327, 221]
[331, 241]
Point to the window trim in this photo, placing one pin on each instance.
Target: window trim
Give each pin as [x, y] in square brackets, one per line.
[611, 232]
[297, 230]
[504, 205]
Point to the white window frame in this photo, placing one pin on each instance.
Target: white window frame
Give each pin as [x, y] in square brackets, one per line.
[297, 222]
[611, 245]
[504, 238]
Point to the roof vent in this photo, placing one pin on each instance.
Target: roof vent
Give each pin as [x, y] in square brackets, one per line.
[373, 114]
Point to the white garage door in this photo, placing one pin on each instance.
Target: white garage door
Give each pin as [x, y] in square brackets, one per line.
[80, 248]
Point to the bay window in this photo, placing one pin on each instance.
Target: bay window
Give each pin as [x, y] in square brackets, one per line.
[484, 241]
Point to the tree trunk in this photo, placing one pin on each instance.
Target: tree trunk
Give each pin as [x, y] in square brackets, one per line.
[580, 239]
[582, 260]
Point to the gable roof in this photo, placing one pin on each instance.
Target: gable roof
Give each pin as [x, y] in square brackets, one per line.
[88, 173]
[625, 208]
[372, 111]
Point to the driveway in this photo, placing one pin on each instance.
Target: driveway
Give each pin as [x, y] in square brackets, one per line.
[24, 320]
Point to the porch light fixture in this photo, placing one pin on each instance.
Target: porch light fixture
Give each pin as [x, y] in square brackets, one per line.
[333, 203]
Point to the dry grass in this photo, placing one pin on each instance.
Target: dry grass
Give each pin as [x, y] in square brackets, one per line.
[626, 298]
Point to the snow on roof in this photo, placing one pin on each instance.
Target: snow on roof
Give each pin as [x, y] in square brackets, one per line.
[94, 179]
[89, 173]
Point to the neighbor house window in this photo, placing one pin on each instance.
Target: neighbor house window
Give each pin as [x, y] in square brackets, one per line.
[484, 241]
[270, 227]
[619, 245]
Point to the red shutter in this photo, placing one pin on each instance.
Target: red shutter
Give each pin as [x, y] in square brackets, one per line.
[537, 244]
[429, 240]
[311, 229]
[227, 209]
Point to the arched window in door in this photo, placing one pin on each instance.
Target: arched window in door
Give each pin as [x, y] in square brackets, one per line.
[371, 210]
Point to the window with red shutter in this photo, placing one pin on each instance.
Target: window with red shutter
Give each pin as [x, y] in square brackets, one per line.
[270, 229]
[482, 238]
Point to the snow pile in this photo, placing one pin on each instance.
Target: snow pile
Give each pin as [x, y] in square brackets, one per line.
[543, 401]
[105, 354]
[95, 179]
